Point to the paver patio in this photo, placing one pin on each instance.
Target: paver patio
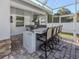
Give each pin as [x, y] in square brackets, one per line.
[68, 51]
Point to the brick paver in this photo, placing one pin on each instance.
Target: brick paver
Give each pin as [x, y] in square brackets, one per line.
[68, 51]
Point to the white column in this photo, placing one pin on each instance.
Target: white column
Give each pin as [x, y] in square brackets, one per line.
[59, 20]
[74, 27]
[46, 19]
[4, 19]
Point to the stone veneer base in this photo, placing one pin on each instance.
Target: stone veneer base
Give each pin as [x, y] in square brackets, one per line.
[17, 42]
[8, 45]
[5, 47]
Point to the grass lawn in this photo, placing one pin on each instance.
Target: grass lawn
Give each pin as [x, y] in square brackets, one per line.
[68, 35]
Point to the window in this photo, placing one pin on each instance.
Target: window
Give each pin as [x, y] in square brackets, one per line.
[49, 18]
[67, 19]
[34, 18]
[55, 19]
[19, 21]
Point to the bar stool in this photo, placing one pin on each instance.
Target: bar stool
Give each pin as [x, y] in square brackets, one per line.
[55, 40]
[45, 46]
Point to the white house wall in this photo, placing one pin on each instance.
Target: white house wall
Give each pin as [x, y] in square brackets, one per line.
[4, 19]
[25, 9]
[27, 20]
[28, 17]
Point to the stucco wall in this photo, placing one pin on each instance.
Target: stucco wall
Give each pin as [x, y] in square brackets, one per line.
[4, 19]
[28, 16]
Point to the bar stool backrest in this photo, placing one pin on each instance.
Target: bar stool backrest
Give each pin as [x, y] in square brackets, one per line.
[60, 28]
[57, 29]
[49, 33]
[54, 31]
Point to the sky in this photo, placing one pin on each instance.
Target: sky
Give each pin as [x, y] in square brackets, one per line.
[58, 3]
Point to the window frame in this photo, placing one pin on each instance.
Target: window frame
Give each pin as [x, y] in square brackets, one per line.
[19, 21]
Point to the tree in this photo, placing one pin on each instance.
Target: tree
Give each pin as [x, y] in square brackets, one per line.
[63, 11]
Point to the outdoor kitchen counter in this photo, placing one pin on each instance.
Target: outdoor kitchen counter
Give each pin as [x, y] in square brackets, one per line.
[29, 39]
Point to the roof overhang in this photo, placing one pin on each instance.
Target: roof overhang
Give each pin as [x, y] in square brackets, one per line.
[27, 8]
[45, 8]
